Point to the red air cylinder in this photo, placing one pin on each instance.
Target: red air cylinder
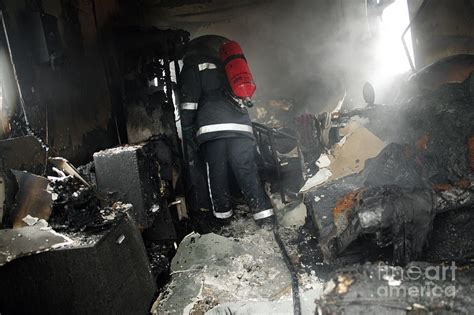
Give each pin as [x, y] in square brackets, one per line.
[237, 70]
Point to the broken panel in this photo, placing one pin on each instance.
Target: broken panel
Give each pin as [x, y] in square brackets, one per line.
[100, 273]
[33, 198]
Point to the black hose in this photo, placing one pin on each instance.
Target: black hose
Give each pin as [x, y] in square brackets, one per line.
[293, 275]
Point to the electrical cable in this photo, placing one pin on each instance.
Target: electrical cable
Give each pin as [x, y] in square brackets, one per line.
[293, 274]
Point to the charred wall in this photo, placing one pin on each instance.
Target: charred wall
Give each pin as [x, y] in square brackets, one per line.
[443, 28]
[72, 101]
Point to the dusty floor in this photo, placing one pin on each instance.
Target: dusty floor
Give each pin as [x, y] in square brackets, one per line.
[238, 269]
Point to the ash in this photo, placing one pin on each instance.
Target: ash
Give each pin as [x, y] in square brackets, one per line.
[239, 263]
[78, 207]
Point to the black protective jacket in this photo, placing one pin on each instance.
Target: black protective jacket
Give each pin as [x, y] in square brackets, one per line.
[208, 111]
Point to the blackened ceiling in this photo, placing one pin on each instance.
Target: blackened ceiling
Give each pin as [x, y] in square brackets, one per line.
[175, 13]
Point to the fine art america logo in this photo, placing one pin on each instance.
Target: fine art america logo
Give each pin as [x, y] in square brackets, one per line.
[415, 281]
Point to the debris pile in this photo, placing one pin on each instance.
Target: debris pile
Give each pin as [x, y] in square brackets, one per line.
[61, 225]
[424, 171]
[77, 207]
[238, 268]
[383, 289]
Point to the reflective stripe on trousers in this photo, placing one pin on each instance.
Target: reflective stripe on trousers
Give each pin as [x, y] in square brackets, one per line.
[224, 127]
[219, 215]
[223, 215]
[263, 214]
[189, 106]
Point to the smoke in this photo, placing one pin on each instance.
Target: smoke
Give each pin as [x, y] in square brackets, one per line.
[311, 52]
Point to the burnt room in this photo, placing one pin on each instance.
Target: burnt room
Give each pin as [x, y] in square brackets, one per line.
[236, 157]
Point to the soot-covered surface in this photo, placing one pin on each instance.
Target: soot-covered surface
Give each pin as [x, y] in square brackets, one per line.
[425, 170]
[239, 264]
[452, 237]
[382, 289]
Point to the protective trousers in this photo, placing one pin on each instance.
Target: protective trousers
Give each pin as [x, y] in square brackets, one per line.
[238, 155]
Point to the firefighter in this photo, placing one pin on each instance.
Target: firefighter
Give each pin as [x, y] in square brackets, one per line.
[218, 124]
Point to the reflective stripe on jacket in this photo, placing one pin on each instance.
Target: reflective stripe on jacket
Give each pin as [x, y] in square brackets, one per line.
[205, 104]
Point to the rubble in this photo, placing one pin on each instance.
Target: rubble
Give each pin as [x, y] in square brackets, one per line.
[77, 207]
[69, 169]
[378, 202]
[395, 198]
[383, 289]
[64, 220]
[452, 238]
[29, 240]
[294, 215]
[225, 269]
[230, 270]
[319, 178]
[159, 256]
